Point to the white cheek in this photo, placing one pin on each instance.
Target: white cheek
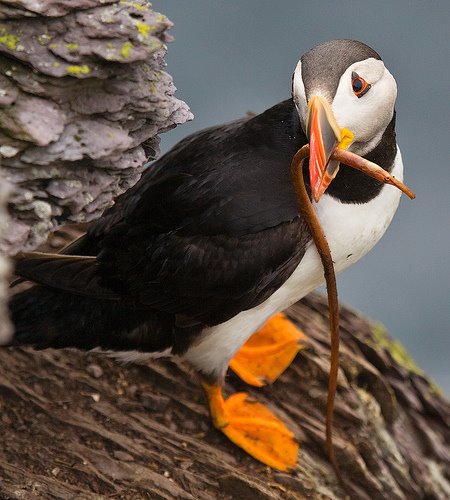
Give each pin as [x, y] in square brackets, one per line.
[299, 94]
[386, 94]
[355, 114]
[367, 116]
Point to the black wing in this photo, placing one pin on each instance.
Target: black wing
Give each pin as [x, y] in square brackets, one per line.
[208, 278]
[211, 229]
[232, 179]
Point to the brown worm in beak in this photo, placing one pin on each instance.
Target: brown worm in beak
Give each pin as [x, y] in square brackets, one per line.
[307, 211]
[369, 168]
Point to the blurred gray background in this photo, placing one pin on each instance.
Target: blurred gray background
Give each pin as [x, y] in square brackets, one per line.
[235, 56]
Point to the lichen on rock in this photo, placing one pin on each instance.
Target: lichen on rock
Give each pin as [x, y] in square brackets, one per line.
[83, 96]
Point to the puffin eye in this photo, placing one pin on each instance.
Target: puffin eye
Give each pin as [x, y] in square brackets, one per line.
[359, 85]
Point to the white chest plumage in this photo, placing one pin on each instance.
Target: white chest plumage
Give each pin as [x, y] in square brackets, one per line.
[351, 230]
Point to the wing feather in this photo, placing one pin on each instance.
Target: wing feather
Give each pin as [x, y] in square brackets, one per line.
[211, 229]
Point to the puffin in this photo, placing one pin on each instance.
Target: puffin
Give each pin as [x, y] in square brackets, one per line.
[201, 257]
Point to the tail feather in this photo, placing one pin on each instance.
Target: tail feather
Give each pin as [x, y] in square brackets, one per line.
[45, 317]
[71, 273]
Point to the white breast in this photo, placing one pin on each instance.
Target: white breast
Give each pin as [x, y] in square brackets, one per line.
[351, 230]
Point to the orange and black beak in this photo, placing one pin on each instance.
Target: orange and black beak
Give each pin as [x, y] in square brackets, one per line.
[324, 135]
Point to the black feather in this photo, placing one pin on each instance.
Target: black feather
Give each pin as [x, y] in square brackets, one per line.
[45, 317]
[211, 229]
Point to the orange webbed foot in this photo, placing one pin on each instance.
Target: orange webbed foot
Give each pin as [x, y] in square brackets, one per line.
[268, 352]
[253, 427]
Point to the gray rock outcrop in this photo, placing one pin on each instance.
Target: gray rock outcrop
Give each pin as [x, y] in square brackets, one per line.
[83, 96]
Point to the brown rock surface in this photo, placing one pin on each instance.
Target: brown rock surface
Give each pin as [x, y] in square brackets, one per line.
[143, 431]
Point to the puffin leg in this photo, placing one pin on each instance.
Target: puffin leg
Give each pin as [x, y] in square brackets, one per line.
[252, 427]
[268, 352]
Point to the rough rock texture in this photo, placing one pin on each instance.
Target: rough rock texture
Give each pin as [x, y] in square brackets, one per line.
[82, 99]
[30, 8]
[78, 425]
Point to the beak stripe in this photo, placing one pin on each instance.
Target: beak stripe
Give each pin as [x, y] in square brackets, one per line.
[324, 134]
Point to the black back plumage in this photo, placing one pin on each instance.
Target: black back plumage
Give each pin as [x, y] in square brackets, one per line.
[231, 179]
[211, 229]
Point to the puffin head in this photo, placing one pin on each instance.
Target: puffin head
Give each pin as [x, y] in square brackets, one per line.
[345, 97]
